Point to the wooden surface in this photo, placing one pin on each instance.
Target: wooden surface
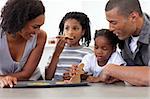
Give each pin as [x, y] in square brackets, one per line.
[95, 91]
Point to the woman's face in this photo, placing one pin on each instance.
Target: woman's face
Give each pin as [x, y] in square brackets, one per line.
[102, 49]
[73, 28]
[32, 27]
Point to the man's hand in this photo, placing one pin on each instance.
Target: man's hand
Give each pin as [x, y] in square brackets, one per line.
[105, 75]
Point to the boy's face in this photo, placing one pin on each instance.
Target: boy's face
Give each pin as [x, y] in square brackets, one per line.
[72, 28]
[103, 50]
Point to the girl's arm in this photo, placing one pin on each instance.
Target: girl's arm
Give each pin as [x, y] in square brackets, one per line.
[50, 71]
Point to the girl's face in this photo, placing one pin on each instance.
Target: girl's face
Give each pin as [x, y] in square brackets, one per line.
[73, 28]
[103, 50]
[32, 27]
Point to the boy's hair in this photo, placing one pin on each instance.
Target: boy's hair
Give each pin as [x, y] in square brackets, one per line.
[125, 7]
[16, 13]
[112, 38]
[84, 22]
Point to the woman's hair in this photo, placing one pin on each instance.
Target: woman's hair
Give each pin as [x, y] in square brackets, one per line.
[16, 13]
[112, 38]
[84, 22]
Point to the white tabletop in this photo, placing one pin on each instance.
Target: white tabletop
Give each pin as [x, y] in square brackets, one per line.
[94, 91]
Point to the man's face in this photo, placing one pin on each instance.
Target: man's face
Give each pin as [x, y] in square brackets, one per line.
[122, 26]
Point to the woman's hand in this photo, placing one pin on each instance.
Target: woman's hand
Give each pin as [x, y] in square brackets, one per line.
[7, 81]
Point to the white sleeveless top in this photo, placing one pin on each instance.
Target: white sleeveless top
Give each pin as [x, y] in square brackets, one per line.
[8, 65]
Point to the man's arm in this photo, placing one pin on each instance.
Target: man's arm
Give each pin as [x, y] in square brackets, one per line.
[135, 75]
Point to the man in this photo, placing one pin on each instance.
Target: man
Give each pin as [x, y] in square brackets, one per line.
[128, 22]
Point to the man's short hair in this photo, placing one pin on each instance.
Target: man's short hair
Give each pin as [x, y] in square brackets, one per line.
[125, 7]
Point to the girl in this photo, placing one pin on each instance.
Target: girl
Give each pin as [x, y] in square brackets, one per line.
[74, 29]
[104, 53]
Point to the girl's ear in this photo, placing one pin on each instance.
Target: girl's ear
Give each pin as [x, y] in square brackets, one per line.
[114, 49]
[83, 32]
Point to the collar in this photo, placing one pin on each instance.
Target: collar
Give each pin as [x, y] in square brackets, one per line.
[145, 31]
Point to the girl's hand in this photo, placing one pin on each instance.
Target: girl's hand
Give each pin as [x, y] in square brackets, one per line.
[70, 72]
[66, 76]
[61, 41]
[8, 81]
[60, 45]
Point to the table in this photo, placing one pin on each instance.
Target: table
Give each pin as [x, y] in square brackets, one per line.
[94, 91]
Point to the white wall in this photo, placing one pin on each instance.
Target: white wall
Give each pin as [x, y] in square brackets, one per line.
[56, 9]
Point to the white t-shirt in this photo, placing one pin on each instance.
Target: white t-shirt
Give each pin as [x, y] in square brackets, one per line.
[133, 44]
[91, 66]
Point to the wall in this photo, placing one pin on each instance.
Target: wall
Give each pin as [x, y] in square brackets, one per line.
[56, 9]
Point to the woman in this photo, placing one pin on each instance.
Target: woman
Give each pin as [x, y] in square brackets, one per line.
[22, 41]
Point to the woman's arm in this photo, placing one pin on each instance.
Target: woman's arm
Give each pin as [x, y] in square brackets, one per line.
[33, 59]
